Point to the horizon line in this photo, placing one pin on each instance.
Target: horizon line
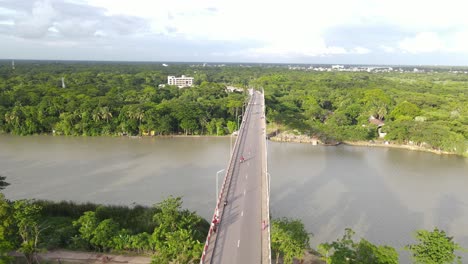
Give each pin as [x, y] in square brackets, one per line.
[230, 62]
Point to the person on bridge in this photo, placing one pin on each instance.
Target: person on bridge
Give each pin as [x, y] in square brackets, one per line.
[214, 224]
[242, 159]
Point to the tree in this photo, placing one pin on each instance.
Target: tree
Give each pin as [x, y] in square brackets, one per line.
[180, 247]
[136, 112]
[104, 233]
[96, 115]
[211, 127]
[289, 239]
[3, 183]
[405, 109]
[231, 125]
[26, 215]
[345, 250]
[339, 251]
[141, 242]
[105, 113]
[366, 252]
[377, 103]
[123, 240]
[6, 227]
[235, 101]
[175, 239]
[434, 247]
[220, 126]
[86, 224]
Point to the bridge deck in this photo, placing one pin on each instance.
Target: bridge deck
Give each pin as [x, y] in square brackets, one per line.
[243, 235]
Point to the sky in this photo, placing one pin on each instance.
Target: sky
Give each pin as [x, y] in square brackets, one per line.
[407, 32]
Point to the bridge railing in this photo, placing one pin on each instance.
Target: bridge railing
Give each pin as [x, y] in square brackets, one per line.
[267, 180]
[228, 174]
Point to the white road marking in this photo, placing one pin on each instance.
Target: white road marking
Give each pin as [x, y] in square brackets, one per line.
[246, 176]
[242, 214]
[244, 192]
[238, 243]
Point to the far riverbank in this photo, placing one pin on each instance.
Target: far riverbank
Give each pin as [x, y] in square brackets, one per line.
[286, 137]
[387, 144]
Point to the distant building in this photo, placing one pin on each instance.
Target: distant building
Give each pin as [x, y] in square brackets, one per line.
[379, 123]
[234, 89]
[183, 81]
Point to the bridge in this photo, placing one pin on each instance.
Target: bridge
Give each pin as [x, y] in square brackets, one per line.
[240, 230]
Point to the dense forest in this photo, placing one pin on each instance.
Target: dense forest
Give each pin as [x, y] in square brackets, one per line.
[427, 109]
[111, 99]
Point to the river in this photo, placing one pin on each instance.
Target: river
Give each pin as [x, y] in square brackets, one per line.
[382, 194]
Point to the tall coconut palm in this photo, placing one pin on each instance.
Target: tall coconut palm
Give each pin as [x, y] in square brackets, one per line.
[139, 115]
[105, 113]
[96, 116]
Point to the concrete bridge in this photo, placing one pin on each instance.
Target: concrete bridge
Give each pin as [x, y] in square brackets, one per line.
[240, 230]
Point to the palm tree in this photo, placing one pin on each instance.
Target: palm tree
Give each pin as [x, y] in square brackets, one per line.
[105, 113]
[96, 116]
[140, 115]
[136, 113]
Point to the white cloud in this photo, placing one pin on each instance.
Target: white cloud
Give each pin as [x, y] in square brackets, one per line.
[246, 28]
[360, 50]
[422, 43]
[458, 42]
[38, 22]
[426, 42]
[8, 22]
[276, 28]
[387, 48]
[295, 27]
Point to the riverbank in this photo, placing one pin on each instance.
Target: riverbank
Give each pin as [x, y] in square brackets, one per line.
[293, 138]
[68, 256]
[387, 144]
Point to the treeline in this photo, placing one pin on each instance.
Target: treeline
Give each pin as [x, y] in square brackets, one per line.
[428, 110]
[110, 99]
[165, 231]
[290, 240]
[422, 109]
[171, 234]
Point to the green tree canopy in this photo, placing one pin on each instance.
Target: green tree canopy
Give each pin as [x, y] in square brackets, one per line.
[434, 247]
[405, 109]
[176, 238]
[26, 215]
[345, 250]
[289, 239]
[6, 229]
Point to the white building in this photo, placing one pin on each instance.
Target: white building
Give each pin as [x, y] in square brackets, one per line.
[231, 89]
[182, 81]
[337, 67]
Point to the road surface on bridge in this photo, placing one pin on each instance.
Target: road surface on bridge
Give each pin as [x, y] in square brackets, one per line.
[239, 235]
